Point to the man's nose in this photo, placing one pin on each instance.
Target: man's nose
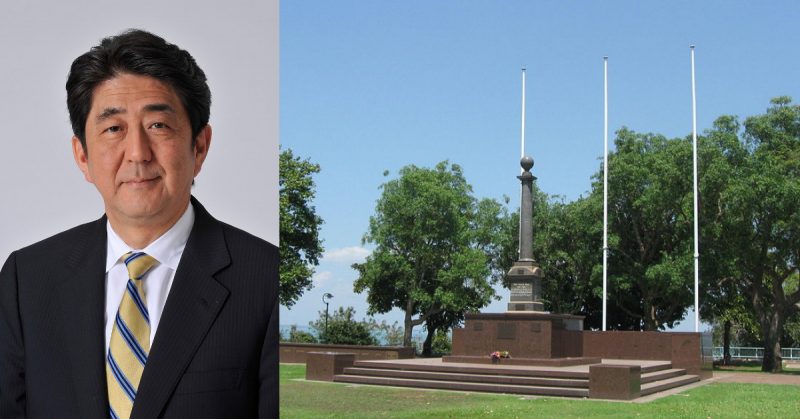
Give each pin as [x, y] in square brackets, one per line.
[138, 147]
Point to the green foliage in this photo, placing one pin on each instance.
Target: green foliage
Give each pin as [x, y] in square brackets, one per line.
[566, 240]
[300, 245]
[299, 336]
[750, 226]
[343, 329]
[392, 334]
[744, 328]
[650, 229]
[435, 325]
[492, 225]
[434, 247]
[791, 332]
[442, 343]
[649, 237]
[759, 224]
[568, 243]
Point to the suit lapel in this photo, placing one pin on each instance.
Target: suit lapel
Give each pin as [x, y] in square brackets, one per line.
[193, 304]
[82, 313]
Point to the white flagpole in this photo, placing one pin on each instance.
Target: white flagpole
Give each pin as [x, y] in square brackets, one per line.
[696, 246]
[521, 155]
[522, 132]
[605, 188]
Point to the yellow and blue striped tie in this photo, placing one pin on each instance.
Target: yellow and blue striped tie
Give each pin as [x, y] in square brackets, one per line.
[130, 339]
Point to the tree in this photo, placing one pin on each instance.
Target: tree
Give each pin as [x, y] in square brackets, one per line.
[428, 257]
[343, 329]
[299, 336]
[437, 324]
[300, 245]
[735, 326]
[442, 343]
[720, 154]
[489, 221]
[569, 245]
[567, 239]
[650, 224]
[791, 333]
[791, 329]
[761, 222]
[390, 334]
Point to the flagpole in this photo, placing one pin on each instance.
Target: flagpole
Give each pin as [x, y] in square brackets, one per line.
[694, 164]
[522, 132]
[521, 155]
[605, 188]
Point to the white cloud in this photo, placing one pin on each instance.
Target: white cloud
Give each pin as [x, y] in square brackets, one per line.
[348, 255]
[320, 278]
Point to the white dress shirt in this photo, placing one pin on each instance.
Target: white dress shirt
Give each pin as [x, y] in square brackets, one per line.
[167, 250]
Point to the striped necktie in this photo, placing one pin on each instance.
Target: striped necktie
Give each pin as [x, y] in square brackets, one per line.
[130, 339]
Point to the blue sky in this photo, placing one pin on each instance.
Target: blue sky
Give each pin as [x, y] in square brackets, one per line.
[368, 86]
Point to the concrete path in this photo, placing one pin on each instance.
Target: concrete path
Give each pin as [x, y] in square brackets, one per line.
[756, 378]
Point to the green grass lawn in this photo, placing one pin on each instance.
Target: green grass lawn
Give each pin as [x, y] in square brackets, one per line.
[306, 399]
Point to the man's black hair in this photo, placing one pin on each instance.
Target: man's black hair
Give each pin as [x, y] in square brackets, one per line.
[141, 53]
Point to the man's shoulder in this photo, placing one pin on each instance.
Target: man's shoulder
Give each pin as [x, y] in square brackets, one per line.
[66, 241]
[236, 238]
[240, 238]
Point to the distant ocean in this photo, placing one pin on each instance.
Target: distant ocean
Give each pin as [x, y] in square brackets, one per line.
[418, 336]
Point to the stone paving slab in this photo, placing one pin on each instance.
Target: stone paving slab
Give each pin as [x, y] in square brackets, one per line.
[756, 378]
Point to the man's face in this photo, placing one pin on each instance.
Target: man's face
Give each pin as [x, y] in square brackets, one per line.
[139, 152]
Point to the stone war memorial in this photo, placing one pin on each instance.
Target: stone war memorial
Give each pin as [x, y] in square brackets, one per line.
[529, 334]
[527, 350]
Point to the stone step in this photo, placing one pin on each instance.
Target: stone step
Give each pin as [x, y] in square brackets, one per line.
[463, 386]
[532, 362]
[475, 369]
[661, 366]
[668, 383]
[648, 367]
[466, 377]
[650, 377]
[496, 382]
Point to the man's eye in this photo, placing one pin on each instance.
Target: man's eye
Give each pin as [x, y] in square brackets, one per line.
[115, 128]
[158, 125]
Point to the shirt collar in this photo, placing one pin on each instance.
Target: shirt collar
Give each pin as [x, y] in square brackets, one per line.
[167, 249]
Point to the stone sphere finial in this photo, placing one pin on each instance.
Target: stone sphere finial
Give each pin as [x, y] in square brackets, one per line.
[526, 163]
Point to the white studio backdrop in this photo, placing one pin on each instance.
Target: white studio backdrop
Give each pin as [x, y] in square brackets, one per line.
[234, 42]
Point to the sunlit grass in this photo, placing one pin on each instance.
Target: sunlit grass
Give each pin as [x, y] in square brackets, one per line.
[307, 399]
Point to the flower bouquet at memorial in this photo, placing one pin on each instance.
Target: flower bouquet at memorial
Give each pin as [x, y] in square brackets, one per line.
[496, 355]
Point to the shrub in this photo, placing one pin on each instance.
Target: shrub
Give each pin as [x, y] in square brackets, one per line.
[300, 336]
[343, 329]
[442, 343]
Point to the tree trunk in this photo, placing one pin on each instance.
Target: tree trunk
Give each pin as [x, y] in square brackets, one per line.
[771, 330]
[408, 326]
[427, 346]
[649, 320]
[726, 343]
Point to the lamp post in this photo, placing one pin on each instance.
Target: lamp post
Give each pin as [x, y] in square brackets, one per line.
[325, 298]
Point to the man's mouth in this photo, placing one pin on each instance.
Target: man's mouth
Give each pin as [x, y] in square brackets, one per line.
[142, 181]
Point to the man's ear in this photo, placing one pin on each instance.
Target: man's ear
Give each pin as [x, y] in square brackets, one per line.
[81, 158]
[201, 144]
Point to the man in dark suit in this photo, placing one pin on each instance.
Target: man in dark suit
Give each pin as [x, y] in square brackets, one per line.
[156, 309]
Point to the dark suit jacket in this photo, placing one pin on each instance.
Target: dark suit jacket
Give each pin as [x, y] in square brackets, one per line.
[214, 355]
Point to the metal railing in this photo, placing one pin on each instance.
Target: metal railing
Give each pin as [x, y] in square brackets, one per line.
[741, 352]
